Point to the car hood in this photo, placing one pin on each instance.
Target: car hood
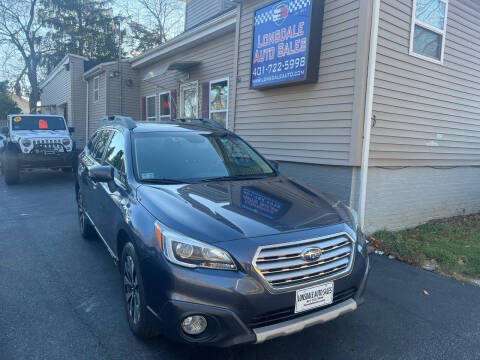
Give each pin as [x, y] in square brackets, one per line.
[228, 210]
[39, 134]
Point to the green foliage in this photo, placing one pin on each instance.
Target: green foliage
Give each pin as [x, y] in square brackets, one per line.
[82, 27]
[7, 105]
[454, 244]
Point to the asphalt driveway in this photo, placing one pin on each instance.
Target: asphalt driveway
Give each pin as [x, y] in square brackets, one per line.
[60, 299]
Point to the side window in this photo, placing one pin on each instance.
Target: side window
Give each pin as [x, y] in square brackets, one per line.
[115, 154]
[219, 101]
[92, 142]
[102, 140]
[151, 108]
[429, 23]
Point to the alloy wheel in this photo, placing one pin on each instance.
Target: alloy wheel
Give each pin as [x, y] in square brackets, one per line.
[81, 213]
[130, 286]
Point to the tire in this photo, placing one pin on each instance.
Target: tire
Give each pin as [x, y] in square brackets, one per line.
[67, 170]
[134, 294]
[10, 168]
[86, 228]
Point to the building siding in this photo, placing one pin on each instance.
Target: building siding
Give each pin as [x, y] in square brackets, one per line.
[427, 113]
[67, 87]
[56, 91]
[404, 198]
[131, 94]
[216, 59]
[307, 123]
[197, 11]
[333, 180]
[78, 90]
[96, 109]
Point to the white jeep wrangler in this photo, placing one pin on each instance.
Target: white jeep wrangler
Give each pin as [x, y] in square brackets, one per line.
[36, 141]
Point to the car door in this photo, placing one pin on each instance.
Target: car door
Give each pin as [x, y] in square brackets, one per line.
[94, 193]
[112, 199]
[86, 161]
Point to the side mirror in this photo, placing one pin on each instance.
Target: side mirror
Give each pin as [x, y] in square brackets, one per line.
[71, 129]
[275, 164]
[5, 130]
[101, 174]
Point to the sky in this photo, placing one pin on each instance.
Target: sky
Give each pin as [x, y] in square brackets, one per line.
[11, 64]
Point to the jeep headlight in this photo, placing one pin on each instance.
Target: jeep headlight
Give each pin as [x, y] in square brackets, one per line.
[66, 142]
[26, 142]
[188, 252]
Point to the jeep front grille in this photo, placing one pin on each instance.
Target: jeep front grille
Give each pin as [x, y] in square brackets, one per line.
[282, 265]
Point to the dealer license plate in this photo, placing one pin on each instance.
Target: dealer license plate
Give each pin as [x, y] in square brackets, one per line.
[314, 297]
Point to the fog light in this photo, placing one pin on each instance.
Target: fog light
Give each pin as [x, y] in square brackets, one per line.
[194, 325]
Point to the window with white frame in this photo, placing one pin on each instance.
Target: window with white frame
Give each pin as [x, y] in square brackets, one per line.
[219, 101]
[164, 104]
[151, 106]
[189, 98]
[429, 24]
[96, 88]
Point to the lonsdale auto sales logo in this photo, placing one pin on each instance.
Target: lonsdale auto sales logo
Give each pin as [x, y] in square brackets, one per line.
[280, 13]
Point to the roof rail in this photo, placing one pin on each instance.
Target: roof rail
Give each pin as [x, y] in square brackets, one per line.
[121, 120]
[200, 121]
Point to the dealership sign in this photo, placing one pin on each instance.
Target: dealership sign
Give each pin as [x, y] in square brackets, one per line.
[287, 36]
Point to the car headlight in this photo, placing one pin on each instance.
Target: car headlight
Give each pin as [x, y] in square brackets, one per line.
[185, 251]
[353, 221]
[26, 142]
[66, 142]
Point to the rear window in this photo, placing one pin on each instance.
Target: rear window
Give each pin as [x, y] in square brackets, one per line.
[38, 122]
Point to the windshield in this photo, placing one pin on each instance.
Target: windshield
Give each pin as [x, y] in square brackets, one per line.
[38, 122]
[191, 157]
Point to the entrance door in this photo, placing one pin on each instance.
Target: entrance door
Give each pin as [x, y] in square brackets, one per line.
[189, 100]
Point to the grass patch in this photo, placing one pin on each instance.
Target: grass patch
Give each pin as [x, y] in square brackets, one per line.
[453, 244]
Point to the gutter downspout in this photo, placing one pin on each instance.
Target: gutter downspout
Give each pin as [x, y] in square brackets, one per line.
[367, 123]
[87, 113]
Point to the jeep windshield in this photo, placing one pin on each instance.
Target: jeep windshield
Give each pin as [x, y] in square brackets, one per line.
[38, 122]
[186, 157]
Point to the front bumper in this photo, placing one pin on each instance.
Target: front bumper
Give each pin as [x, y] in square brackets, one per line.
[238, 308]
[41, 161]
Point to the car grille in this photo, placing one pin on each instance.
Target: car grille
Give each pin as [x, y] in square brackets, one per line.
[282, 265]
[286, 314]
[47, 142]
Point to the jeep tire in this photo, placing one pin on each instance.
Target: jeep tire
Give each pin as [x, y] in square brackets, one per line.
[11, 169]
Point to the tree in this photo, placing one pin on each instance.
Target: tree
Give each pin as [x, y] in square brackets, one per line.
[7, 105]
[20, 28]
[153, 22]
[82, 27]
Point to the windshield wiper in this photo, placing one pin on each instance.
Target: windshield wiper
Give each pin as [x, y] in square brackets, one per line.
[235, 177]
[163, 181]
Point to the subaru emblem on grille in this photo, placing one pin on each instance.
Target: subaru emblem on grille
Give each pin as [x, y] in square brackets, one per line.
[311, 254]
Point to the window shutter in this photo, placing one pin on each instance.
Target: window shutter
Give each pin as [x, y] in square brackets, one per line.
[206, 100]
[144, 108]
[173, 104]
